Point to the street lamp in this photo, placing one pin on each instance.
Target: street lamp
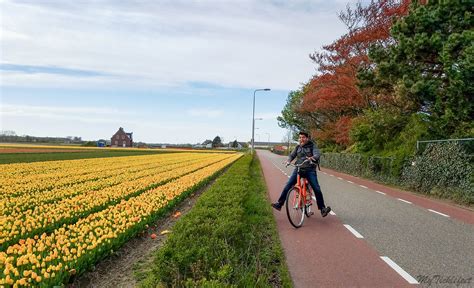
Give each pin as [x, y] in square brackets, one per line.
[268, 139]
[253, 116]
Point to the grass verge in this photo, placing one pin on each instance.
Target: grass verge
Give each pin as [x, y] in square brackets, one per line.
[228, 239]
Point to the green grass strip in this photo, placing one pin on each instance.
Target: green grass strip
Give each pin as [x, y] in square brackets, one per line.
[229, 239]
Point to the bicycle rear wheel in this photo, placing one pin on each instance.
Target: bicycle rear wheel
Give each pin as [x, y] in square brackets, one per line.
[295, 208]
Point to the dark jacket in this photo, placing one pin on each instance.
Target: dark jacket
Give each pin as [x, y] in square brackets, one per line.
[310, 149]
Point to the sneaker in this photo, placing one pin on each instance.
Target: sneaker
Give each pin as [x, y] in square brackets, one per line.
[277, 206]
[325, 211]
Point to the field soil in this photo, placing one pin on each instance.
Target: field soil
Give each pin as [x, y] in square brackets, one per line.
[121, 268]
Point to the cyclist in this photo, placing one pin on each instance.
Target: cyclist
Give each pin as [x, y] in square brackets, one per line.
[307, 149]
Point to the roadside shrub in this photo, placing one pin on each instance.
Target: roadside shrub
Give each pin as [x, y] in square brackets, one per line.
[373, 131]
[445, 170]
[380, 168]
[228, 239]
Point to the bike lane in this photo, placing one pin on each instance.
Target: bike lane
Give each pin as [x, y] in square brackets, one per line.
[323, 253]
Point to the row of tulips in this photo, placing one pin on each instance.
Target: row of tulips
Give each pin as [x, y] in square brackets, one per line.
[49, 259]
[19, 224]
[75, 171]
[112, 177]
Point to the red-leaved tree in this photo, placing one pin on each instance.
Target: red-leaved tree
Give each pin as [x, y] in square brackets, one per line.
[332, 98]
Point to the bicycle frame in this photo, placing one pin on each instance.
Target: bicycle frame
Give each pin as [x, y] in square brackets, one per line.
[302, 186]
[300, 202]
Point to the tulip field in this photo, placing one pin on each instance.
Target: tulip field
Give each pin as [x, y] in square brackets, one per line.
[58, 218]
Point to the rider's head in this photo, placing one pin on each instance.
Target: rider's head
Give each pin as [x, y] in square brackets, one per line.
[304, 137]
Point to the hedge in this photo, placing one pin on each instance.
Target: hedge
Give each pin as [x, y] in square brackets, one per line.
[442, 169]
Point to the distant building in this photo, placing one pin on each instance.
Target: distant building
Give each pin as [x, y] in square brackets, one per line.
[267, 144]
[240, 145]
[101, 143]
[121, 139]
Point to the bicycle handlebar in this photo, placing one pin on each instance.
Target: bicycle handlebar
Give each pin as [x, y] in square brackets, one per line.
[299, 165]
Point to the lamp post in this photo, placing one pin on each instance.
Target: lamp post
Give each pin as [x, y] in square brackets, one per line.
[268, 139]
[253, 116]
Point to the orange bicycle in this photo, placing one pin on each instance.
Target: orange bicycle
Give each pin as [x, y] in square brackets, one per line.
[299, 200]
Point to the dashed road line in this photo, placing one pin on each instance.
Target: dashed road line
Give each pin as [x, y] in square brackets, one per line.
[380, 192]
[331, 175]
[339, 178]
[442, 214]
[363, 186]
[350, 182]
[404, 201]
[399, 270]
[353, 231]
[332, 213]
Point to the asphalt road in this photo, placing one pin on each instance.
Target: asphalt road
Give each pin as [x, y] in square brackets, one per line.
[431, 242]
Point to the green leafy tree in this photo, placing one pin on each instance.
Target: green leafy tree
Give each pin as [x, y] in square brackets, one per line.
[430, 66]
[217, 142]
[291, 117]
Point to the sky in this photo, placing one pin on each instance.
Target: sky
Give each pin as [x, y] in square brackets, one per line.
[168, 71]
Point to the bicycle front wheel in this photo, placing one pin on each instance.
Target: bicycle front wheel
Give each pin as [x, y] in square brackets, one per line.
[295, 207]
[309, 203]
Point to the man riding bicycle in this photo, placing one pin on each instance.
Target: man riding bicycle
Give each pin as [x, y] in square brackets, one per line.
[307, 149]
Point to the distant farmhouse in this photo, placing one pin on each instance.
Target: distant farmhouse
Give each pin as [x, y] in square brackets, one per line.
[269, 145]
[121, 139]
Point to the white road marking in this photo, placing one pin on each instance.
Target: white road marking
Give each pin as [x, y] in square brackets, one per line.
[350, 182]
[353, 231]
[363, 186]
[438, 213]
[380, 192]
[404, 201]
[332, 213]
[339, 178]
[331, 175]
[399, 270]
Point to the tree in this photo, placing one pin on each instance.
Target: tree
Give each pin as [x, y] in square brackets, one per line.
[290, 117]
[430, 67]
[332, 98]
[217, 142]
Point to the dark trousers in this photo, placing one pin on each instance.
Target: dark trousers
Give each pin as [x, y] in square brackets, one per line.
[313, 181]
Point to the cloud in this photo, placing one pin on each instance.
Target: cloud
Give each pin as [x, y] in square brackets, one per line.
[29, 69]
[203, 112]
[233, 44]
[82, 114]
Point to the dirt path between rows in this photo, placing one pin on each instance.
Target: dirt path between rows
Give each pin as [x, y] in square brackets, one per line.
[118, 269]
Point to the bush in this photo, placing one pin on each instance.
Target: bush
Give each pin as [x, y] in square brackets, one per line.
[445, 170]
[228, 239]
[380, 168]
